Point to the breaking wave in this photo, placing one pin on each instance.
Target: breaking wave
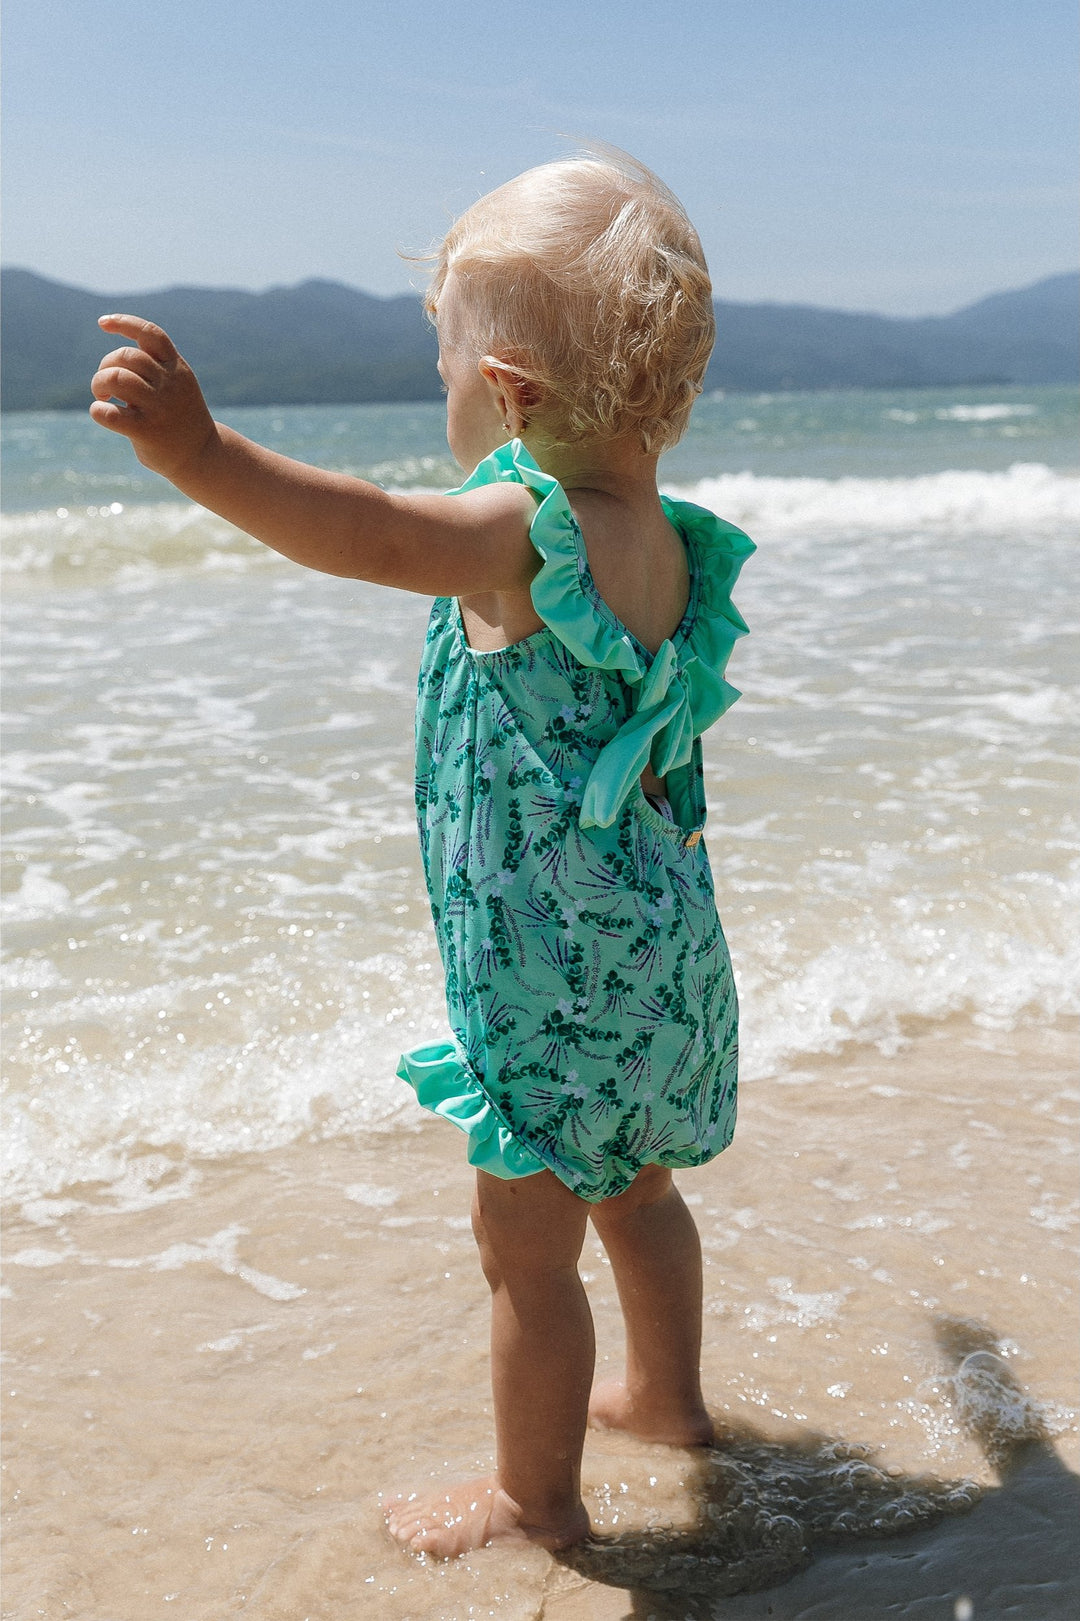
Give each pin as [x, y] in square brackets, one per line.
[64, 546]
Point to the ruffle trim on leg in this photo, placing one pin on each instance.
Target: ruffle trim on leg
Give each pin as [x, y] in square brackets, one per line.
[444, 1084]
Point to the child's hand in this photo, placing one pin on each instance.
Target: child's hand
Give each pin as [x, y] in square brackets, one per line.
[436, 544]
[161, 408]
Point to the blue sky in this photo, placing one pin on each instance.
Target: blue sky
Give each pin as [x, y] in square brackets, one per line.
[906, 156]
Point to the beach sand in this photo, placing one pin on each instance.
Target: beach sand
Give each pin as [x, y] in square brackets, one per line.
[214, 1368]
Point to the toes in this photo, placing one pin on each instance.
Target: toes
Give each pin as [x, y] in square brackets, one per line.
[415, 1526]
[405, 1526]
[441, 1526]
[400, 1510]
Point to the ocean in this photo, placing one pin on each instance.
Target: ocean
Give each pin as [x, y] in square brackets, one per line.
[226, 1213]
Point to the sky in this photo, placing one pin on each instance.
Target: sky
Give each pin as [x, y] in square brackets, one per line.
[903, 156]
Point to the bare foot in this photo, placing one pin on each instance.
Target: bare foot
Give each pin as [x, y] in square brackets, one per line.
[611, 1407]
[470, 1515]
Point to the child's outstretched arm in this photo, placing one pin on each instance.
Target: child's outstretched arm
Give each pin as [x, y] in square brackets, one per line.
[436, 544]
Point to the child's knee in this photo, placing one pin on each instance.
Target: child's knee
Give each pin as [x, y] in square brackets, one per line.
[489, 1264]
[530, 1226]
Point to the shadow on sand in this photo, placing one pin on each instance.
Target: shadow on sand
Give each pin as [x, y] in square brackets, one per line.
[810, 1518]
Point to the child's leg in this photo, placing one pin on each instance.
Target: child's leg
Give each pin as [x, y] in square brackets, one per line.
[655, 1254]
[530, 1233]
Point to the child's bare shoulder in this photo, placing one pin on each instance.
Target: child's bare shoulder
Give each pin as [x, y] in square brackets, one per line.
[502, 506]
[473, 542]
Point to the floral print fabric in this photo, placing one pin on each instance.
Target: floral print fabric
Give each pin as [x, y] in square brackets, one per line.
[588, 983]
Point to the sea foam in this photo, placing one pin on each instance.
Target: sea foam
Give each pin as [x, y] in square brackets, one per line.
[68, 545]
[1028, 496]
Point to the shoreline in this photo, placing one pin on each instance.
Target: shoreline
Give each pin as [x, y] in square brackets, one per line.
[215, 1368]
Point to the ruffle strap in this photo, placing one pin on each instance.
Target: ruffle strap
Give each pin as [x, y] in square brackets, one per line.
[444, 1084]
[681, 690]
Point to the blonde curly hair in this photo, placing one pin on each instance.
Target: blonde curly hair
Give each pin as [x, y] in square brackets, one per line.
[586, 276]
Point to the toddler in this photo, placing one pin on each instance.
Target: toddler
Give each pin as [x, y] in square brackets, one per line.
[574, 656]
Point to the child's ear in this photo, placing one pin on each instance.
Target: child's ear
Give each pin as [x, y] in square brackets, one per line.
[517, 396]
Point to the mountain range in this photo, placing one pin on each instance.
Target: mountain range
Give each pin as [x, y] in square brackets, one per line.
[322, 342]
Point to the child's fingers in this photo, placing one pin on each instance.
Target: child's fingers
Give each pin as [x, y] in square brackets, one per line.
[135, 360]
[109, 415]
[116, 382]
[148, 336]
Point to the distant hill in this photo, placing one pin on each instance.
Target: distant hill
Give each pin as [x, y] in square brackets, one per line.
[318, 343]
[1031, 335]
[324, 343]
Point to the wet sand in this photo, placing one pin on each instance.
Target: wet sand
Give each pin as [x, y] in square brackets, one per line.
[214, 1368]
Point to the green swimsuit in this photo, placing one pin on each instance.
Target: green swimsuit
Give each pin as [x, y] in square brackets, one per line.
[588, 983]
